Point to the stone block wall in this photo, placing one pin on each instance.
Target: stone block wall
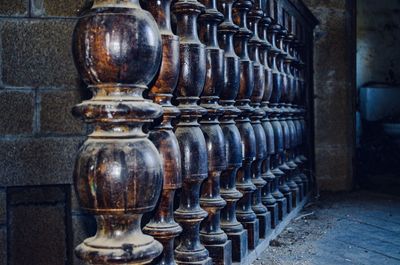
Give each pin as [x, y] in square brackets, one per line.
[40, 222]
[378, 53]
[334, 92]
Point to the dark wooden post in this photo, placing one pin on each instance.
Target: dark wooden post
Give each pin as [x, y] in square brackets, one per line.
[264, 217]
[297, 192]
[190, 137]
[118, 172]
[299, 66]
[163, 226]
[211, 234]
[233, 146]
[288, 165]
[281, 110]
[275, 112]
[244, 211]
[266, 196]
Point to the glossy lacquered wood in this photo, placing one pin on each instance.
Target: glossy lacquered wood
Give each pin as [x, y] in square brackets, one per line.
[211, 234]
[229, 223]
[118, 172]
[192, 77]
[245, 213]
[162, 225]
[222, 90]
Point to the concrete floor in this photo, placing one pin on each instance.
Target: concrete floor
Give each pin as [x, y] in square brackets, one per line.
[356, 228]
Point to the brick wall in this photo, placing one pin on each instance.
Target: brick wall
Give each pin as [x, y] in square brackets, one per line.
[40, 222]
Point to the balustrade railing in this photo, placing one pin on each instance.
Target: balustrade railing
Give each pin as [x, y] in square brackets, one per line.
[202, 117]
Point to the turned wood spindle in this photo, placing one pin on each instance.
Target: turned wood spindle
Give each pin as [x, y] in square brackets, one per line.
[300, 178]
[306, 176]
[266, 196]
[118, 172]
[275, 112]
[300, 102]
[281, 109]
[288, 166]
[190, 137]
[298, 187]
[162, 226]
[244, 211]
[231, 195]
[264, 217]
[211, 234]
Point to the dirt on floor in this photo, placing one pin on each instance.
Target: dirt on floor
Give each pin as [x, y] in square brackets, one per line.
[295, 244]
[298, 243]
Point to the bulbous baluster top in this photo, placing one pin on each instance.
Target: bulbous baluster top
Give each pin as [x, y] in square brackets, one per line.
[242, 37]
[227, 30]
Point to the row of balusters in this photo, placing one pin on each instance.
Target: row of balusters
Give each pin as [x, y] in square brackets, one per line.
[227, 128]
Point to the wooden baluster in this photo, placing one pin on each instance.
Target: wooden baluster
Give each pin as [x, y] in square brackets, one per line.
[264, 217]
[211, 234]
[294, 157]
[245, 213]
[297, 102]
[290, 71]
[117, 51]
[275, 112]
[233, 146]
[190, 137]
[284, 188]
[162, 226]
[268, 200]
[305, 176]
[287, 106]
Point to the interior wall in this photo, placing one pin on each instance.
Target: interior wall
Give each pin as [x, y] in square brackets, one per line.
[334, 108]
[378, 38]
[378, 81]
[40, 221]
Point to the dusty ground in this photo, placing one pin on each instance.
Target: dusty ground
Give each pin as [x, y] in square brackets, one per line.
[335, 229]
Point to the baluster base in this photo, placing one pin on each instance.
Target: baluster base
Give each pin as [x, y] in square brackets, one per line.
[273, 210]
[299, 183]
[221, 254]
[282, 208]
[289, 201]
[253, 232]
[94, 253]
[207, 261]
[295, 197]
[239, 245]
[306, 183]
[264, 220]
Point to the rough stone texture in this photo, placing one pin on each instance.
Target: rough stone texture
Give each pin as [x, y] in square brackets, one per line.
[3, 246]
[37, 194]
[40, 50]
[334, 94]
[3, 207]
[14, 8]
[55, 113]
[46, 229]
[340, 165]
[67, 8]
[37, 161]
[39, 137]
[378, 53]
[17, 112]
[339, 4]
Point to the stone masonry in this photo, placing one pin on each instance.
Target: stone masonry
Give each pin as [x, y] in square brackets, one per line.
[40, 222]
